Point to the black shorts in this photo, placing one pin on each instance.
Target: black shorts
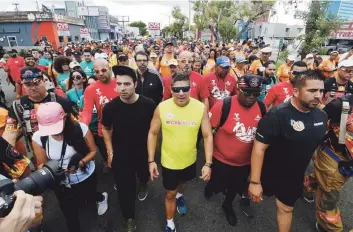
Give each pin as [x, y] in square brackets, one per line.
[285, 192]
[172, 178]
[232, 178]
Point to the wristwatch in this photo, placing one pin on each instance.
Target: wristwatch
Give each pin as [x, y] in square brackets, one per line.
[208, 165]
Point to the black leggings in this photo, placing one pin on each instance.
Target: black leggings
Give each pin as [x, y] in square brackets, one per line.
[101, 146]
[70, 199]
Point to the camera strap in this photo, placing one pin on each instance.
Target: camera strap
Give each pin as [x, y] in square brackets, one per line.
[63, 151]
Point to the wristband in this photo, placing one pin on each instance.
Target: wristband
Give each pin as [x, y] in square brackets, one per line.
[254, 182]
[111, 153]
[149, 162]
[208, 165]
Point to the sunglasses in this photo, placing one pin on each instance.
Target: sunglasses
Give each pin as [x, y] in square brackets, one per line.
[103, 70]
[185, 89]
[33, 82]
[77, 77]
[250, 93]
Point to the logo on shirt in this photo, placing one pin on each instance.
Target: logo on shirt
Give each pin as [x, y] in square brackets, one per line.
[169, 115]
[318, 123]
[244, 134]
[257, 118]
[213, 82]
[194, 84]
[218, 94]
[227, 83]
[285, 90]
[180, 123]
[98, 92]
[209, 114]
[297, 125]
[236, 117]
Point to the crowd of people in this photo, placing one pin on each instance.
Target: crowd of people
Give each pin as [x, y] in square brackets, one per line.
[261, 124]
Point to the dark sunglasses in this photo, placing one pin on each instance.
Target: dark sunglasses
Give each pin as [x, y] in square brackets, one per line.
[185, 89]
[103, 70]
[250, 93]
[34, 81]
[77, 77]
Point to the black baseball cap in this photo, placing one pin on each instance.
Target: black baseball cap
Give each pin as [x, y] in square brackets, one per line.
[168, 43]
[123, 57]
[250, 82]
[77, 53]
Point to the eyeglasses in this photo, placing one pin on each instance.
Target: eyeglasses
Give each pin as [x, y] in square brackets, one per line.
[347, 70]
[77, 77]
[32, 82]
[250, 93]
[140, 61]
[103, 70]
[185, 89]
[186, 61]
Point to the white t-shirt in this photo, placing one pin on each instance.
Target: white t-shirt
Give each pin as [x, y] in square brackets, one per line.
[55, 154]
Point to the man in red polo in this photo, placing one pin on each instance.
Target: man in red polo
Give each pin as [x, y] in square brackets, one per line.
[220, 83]
[198, 88]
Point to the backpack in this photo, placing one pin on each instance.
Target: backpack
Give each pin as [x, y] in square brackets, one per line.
[227, 103]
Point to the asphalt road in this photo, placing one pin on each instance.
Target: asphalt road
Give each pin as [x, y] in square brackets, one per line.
[202, 215]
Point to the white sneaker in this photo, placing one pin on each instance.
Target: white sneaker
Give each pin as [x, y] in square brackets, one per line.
[103, 205]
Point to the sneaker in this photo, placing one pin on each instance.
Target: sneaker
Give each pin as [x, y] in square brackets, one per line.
[115, 187]
[230, 215]
[246, 208]
[208, 191]
[168, 229]
[181, 205]
[142, 192]
[308, 197]
[129, 225]
[319, 228]
[103, 205]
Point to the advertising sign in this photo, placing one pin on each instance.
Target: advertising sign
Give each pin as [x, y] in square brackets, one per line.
[154, 26]
[84, 31]
[63, 29]
[82, 10]
[93, 11]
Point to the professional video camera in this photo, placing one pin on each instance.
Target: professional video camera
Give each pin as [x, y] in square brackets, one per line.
[35, 184]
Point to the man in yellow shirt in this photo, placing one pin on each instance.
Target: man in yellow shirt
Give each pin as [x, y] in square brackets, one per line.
[328, 66]
[266, 53]
[162, 63]
[180, 119]
[284, 69]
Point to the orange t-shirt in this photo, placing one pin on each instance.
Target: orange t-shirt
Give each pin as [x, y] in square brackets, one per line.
[327, 66]
[209, 67]
[283, 72]
[254, 66]
[234, 140]
[164, 66]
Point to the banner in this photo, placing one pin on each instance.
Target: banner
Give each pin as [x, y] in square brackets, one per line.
[154, 26]
[82, 10]
[63, 29]
[84, 31]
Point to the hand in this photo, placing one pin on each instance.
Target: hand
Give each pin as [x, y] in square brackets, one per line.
[24, 212]
[153, 170]
[110, 159]
[18, 97]
[255, 192]
[82, 163]
[206, 173]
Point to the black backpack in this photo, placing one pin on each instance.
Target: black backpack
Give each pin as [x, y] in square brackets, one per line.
[227, 103]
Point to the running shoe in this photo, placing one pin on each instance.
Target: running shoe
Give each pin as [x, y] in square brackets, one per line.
[230, 215]
[142, 192]
[246, 208]
[103, 205]
[308, 196]
[181, 205]
[168, 229]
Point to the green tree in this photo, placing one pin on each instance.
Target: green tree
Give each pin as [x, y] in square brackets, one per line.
[318, 26]
[141, 26]
[180, 22]
[223, 15]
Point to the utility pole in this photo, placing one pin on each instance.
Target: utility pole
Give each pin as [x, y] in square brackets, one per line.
[16, 6]
[37, 5]
[123, 19]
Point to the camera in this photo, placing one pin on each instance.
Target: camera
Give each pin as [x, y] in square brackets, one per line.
[35, 184]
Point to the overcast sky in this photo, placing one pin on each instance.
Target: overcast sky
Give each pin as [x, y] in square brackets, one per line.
[145, 10]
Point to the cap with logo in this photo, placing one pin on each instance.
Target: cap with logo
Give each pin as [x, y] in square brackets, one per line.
[223, 61]
[50, 118]
[29, 73]
[74, 64]
[240, 59]
[173, 62]
[250, 82]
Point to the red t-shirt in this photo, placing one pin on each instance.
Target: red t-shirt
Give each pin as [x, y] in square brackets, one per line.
[198, 89]
[220, 88]
[278, 94]
[98, 95]
[15, 64]
[234, 140]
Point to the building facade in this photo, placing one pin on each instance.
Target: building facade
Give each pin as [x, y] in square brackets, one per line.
[341, 8]
[26, 28]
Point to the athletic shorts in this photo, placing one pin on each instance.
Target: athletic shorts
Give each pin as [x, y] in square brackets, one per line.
[287, 193]
[172, 178]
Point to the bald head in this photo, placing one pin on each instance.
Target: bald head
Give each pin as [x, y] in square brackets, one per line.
[185, 61]
[101, 63]
[102, 70]
[185, 54]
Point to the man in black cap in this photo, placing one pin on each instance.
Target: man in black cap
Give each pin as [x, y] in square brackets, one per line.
[22, 116]
[77, 56]
[286, 139]
[235, 122]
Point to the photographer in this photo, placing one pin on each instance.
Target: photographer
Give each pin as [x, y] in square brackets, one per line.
[72, 145]
[24, 214]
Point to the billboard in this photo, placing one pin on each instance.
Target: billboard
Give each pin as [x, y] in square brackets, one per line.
[154, 26]
[82, 10]
[93, 11]
[84, 31]
[63, 29]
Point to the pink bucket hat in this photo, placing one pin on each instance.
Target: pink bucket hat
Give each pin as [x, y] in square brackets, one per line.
[50, 118]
